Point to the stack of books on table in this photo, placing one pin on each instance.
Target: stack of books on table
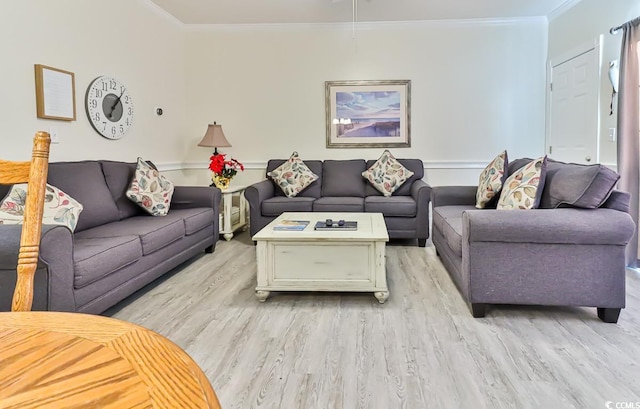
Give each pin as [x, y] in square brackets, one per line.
[291, 225]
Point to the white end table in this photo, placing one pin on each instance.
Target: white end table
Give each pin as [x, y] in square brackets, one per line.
[233, 216]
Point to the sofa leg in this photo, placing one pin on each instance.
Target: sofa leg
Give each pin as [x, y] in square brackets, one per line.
[478, 310]
[422, 242]
[209, 249]
[609, 315]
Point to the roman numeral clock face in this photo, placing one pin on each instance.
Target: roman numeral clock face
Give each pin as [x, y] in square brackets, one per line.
[109, 107]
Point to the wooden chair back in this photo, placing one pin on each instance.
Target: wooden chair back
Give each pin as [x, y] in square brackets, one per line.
[34, 173]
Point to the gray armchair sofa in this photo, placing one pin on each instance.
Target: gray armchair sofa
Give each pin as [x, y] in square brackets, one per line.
[341, 188]
[116, 248]
[561, 256]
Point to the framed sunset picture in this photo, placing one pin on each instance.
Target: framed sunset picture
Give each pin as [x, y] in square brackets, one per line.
[368, 114]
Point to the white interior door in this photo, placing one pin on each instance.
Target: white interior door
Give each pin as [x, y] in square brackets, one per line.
[573, 116]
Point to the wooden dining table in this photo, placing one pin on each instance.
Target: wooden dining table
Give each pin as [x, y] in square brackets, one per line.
[72, 360]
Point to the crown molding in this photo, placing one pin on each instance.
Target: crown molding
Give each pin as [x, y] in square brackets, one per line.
[163, 13]
[368, 25]
[562, 8]
[362, 25]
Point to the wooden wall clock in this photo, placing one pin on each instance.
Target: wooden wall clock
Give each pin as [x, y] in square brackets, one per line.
[109, 107]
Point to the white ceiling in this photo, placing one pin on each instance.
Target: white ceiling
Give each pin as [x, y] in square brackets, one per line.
[334, 11]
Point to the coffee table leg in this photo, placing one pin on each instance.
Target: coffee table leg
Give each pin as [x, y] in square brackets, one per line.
[263, 295]
[381, 296]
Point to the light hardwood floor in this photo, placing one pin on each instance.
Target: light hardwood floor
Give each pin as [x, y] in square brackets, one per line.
[422, 349]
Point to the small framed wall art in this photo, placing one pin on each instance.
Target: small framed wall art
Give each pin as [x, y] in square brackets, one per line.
[368, 114]
[55, 93]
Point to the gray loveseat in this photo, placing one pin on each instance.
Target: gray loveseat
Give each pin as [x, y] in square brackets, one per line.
[341, 188]
[116, 248]
[564, 256]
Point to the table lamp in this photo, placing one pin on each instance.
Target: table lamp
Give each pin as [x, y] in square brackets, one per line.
[214, 138]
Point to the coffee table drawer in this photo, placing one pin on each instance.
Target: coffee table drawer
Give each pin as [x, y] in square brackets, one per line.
[301, 262]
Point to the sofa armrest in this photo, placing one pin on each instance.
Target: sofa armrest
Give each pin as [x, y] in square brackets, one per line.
[56, 251]
[421, 191]
[453, 195]
[188, 197]
[549, 226]
[258, 193]
[618, 200]
[53, 288]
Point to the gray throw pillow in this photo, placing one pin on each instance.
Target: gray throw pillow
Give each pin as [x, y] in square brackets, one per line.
[517, 164]
[574, 185]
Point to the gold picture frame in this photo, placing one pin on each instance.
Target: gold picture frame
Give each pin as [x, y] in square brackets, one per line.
[55, 93]
[368, 114]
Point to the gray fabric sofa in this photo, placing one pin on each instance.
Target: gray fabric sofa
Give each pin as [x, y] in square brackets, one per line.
[341, 188]
[116, 248]
[564, 256]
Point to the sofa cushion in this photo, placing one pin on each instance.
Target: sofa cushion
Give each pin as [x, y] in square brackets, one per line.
[523, 189]
[292, 176]
[118, 176]
[95, 258]
[84, 181]
[313, 190]
[154, 232]
[339, 204]
[573, 185]
[387, 174]
[491, 179]
[401, 206]
[448, 221]
[195, 219]
[343, 178]
[414, 165]
[277, 205]
[59, 208]
[150, 190]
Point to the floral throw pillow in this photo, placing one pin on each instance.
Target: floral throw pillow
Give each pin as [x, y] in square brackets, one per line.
[387, 174]
[293, 176]
[150, 190]
[491, 180]
[523, 189]
[59, 207]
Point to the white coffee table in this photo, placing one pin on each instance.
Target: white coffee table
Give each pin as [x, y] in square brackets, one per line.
[311, 260]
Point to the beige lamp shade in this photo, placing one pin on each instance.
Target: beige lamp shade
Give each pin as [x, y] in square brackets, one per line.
[214, 138]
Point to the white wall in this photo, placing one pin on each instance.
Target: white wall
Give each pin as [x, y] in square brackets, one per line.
[477, 88]
[582, 24]
[127, 39]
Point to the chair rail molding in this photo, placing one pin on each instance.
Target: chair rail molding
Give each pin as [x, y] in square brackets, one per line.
[260, 165]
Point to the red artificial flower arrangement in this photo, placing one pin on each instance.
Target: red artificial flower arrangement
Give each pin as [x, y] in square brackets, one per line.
[225, 168]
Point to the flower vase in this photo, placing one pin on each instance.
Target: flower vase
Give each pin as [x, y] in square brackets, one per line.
[221, 182]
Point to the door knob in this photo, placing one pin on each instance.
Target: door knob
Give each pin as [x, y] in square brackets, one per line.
[588, 158]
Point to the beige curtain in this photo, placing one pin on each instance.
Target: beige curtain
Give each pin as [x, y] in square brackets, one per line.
[628, 126]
